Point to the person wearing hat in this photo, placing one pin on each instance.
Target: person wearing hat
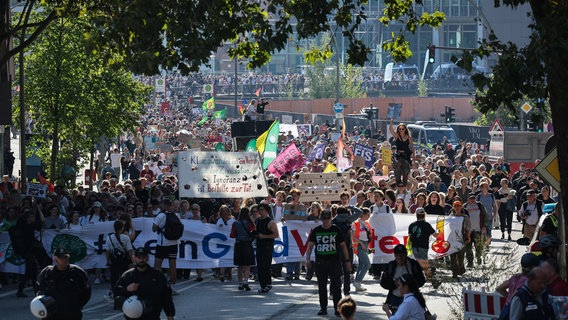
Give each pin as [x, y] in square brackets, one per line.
[530, 212]
[419, 233]
[67, 283]
[457, 258]
[149, 284]
[400, 265]
[327, 241]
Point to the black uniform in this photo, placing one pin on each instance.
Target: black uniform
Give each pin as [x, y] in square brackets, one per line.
[264, 250]
[153, 289]
[328, 264]
[70, 288]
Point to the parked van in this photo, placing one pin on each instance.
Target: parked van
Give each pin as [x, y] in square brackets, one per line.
[425, 134]
[452, 71]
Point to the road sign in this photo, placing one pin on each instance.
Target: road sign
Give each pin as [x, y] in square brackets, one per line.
[338, 107]
[526, 107]
[549, 170]
[496, 127]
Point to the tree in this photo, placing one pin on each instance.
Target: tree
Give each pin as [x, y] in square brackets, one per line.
[73, 98]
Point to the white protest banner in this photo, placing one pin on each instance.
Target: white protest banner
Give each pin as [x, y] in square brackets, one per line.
[220, 175]
[206, 245]
[391, 229]
[37, 190]
[322, 186]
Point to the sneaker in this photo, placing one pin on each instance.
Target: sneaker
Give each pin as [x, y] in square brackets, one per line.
[246, 286]
[322, 312]
[360, 288]
[509, 238]
[296, 278]
[222, 279]
[264, 290]
[199, 279]
[97, 281]
[241, 287]
[288, 278]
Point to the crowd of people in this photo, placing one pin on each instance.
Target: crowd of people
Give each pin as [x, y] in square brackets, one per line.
[137, 177]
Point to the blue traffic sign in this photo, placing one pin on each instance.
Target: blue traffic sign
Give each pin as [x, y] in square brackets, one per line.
[338, 107]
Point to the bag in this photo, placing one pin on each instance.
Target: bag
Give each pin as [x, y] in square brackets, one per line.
[511, 207]
[118, 255]
[173, 229]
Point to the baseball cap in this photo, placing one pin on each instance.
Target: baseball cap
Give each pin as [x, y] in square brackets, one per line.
[531, 191]
[471, 195]
[140, 252]
[529, 260]
[61, 252]
[420, 210]
[399, 249]
[97, 204]
[326, 214]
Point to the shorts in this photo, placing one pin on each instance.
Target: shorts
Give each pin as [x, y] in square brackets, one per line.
[420, 253]
[167, 252]
[243, 254]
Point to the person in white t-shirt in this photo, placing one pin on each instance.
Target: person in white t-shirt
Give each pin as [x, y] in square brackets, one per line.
[165, 248]
[225, 222]
[115, 162]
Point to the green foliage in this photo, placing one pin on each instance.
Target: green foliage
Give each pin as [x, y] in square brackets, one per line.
[73, 99]
[423, 90]
[351, 82]
[403, 11]
[181, 35]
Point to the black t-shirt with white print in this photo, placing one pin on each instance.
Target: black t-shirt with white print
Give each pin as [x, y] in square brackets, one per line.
[326, 242]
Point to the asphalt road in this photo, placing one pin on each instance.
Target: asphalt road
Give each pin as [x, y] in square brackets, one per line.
[212, 299]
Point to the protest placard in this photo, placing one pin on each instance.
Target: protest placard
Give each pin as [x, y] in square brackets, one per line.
[220, 175]
[322, 186]
[295, 212]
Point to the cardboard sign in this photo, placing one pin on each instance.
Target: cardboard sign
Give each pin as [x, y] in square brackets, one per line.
[322, 186]
[359, 162]
[37, 190]
[295, 212]
[386, 154]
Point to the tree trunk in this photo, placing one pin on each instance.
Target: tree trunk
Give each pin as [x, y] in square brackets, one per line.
[54, 152]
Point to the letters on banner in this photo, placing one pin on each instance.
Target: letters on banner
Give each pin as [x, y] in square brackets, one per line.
[209, 246]
[220, 175]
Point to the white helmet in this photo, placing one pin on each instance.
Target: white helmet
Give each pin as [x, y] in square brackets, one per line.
[133, 307]
[42, 306]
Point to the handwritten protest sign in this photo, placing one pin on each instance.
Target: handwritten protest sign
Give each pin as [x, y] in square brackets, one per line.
[37, 190]
[220, 175]
[322, 186]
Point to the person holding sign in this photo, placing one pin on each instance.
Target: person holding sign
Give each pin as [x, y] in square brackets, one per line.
[404, 152]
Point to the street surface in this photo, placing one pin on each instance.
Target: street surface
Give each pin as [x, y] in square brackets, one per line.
[212, 299]
[297, 299]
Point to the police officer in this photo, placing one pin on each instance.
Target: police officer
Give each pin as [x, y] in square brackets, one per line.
[149, 284]
[67, 283]
[328, 241]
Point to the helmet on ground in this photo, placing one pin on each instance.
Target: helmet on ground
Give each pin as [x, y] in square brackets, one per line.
[529, 260]
[42, 306]
[549, 241]
[133, 307]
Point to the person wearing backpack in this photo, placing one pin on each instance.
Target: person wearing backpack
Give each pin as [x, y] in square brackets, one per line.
[531, 300]
[119, 255]
[530, 212]
[167, 227]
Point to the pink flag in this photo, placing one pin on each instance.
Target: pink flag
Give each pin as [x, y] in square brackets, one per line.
[289, 159]
[257, 93]
[344, 156]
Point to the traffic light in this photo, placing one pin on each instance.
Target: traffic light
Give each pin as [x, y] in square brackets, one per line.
[369, 113]
[449, 114]
[531, 126]
[431, 53]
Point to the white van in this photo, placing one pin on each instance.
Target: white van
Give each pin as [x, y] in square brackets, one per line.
[452, 71]
[426, 134]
